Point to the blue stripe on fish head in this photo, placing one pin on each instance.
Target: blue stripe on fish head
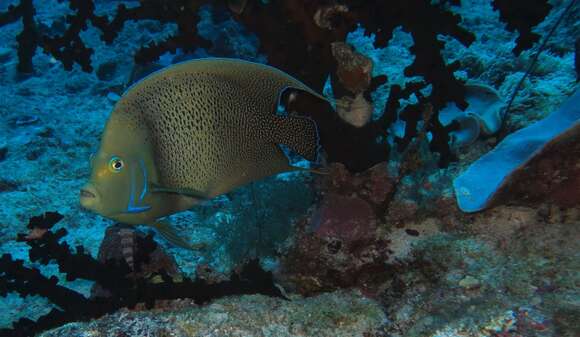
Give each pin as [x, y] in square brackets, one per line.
[131, 206]
[145, 180]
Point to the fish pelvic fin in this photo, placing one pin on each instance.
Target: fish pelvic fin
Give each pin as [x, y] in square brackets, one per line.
[298, 133]
[170, 234]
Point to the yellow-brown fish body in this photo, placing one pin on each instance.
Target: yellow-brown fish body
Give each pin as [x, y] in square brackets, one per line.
[193, 131]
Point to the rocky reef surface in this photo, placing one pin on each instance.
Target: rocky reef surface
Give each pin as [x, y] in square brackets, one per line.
[343, 314]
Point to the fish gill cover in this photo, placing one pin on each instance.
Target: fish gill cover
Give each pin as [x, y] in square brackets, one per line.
[389, 185]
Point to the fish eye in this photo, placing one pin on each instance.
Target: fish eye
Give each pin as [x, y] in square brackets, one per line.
[116, 164]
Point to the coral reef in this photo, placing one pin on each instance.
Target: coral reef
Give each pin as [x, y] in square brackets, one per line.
[354, 79]
[465, 285]
[523, 16]
[514, 151]
[311, 60]
[69, 47]
[483, 115]
[550, 176]
[337, 245]
[577, 59]
[308, 55]
[124, 243]
[27, 38]
[342, 314]
[352, 237]
[385, 221]
[118, 286]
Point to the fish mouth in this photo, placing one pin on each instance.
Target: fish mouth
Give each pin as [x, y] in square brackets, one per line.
[87, 194]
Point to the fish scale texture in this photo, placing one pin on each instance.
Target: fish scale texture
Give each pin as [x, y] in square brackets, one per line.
[210, 120]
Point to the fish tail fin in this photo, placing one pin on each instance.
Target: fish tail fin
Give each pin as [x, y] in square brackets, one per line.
[298, 133]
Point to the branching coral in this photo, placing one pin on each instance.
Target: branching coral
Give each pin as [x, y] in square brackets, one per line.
[309, 55]
[27, 38]
[70, 48]
[112, 275]
[297, 37]
[523, 15]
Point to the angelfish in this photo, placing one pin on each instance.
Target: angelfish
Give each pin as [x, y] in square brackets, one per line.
[190, 132]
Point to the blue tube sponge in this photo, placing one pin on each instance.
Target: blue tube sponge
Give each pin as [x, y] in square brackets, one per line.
[475, 187]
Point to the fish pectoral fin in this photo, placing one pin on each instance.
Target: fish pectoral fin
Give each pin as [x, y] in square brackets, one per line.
[168, 233]
[182, 191]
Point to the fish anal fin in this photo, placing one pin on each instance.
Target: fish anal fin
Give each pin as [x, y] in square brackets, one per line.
[170, 234]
